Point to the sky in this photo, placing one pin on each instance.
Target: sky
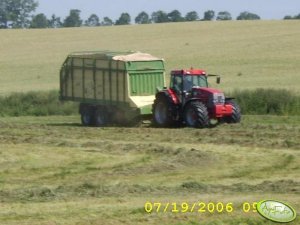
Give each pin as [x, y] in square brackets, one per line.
[266, 9]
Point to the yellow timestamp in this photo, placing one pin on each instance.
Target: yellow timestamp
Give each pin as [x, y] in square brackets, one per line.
[198, 207]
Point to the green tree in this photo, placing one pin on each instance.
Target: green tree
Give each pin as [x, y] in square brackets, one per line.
[73, 20]
[124, 19]
[224, 15]
[92, 21]
[16, 13]
[248, 16]
[55, 22]
[4, 14]
[288, 17]
[107, 21]
[175, 16]
[192, 16]
[39, 21]
[209, 15]
[159, 17]
[297, 17]
[142, 18]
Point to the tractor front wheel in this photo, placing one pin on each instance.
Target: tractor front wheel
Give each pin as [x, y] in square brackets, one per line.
[196, 115]
[236, 113]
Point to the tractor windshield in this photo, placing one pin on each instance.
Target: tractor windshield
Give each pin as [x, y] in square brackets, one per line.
[191, 81]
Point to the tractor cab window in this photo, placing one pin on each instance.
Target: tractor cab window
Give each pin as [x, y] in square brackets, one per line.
[191, 81]
[176, 83]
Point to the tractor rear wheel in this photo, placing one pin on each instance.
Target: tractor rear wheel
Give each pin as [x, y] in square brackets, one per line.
[163, 110]
[196, 115]
[236, 112]
[87, 114]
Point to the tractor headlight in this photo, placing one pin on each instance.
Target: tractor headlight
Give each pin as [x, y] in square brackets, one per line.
[218, 98]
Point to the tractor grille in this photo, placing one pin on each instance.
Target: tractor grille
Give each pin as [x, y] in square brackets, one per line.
[218, 98]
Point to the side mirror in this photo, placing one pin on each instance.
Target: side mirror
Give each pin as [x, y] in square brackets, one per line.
[214, 75]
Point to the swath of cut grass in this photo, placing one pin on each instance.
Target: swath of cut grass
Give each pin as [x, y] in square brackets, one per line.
[53, 170]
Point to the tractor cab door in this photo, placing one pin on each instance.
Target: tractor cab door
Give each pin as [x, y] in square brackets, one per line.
[188, 84]
[177, 85]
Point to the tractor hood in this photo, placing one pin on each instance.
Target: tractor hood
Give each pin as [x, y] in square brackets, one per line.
[209, 95]
[205, 91]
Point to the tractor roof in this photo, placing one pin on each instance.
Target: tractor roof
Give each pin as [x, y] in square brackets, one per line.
[195, 72]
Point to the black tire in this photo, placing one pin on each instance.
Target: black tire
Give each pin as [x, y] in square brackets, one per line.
[196, 115]
[87, 115]
[100, 118]
[163, 112]
[236, 113]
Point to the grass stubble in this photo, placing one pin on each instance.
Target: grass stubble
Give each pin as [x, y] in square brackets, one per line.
[54, 171]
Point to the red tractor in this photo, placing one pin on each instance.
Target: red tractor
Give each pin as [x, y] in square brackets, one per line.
[189, 100]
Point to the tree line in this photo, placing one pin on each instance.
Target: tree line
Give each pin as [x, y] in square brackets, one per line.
[19, 14]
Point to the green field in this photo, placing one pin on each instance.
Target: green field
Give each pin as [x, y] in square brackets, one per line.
[259, 54]
[54, 171]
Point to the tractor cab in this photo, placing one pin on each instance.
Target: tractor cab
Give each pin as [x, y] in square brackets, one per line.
[184, 80]
[187, 83]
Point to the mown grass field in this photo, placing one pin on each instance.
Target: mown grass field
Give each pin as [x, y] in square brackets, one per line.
[259, 54]
[54, 171]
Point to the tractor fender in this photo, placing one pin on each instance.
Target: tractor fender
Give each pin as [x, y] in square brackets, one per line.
[173, 96]
[229, 98]
[172, 104]
[170, 94]
[189, 101]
